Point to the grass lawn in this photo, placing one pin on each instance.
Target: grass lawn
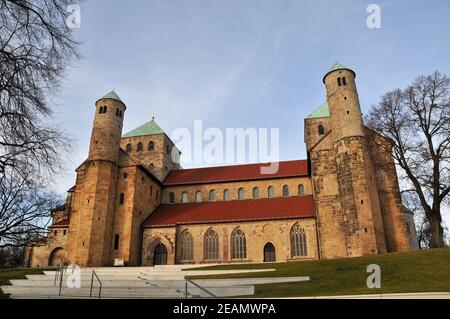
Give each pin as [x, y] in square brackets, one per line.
[417, 271]
[7, 275]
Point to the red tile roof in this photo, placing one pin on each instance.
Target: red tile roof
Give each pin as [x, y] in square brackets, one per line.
[63, 223]
[235, 173]
[232, 211]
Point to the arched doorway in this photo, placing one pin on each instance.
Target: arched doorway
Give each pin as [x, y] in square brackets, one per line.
[160, 255]
[57, 257]
[269, 253]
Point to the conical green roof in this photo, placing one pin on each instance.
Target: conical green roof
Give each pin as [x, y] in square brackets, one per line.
[148, 128]
[112, 95]
[337, 66]
[321, 111]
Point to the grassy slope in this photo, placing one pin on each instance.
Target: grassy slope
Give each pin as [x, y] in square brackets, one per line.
[418, 271]
[6, 276]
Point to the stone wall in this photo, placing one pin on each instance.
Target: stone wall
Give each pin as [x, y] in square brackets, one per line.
[257, 233]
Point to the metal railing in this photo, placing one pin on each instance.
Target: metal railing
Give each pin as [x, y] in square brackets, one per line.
[59, 274]
[189, 281]
[94, 274]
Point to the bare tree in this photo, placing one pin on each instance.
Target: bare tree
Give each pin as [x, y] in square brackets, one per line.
[417, 121]
[36, 46]
[25, 210]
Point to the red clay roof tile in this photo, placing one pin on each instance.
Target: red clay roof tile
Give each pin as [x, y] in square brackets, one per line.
[235, 173]
[232, 211]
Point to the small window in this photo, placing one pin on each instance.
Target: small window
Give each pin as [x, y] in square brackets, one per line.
[285, 190]
[343, 81]
[256, 192]
[301, 190]
[128, 149]
[100, 110]
[151, 190]
[116, 242]
[198, 196]
[121, 198]
[151, 146]
[152, 166]
[55, 232]
[125, 175]
[64, 232]
[270, 191]
[184, 197]
[339, 81]
[212, 195]
[226, 194]
[168, 149]
[140, 147]
[321, 130]
[171, 197]
[241, 193]
[117, 112]
[105, 108]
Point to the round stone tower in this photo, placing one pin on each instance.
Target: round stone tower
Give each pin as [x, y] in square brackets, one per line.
[107, 128]
[343, 102]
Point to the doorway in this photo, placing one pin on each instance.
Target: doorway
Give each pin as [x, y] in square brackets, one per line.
[269, 253]
[160, 255]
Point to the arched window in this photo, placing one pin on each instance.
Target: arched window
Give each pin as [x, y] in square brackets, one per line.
[241, 194]
[116, 242]
[226, 194]
[270, 191]
[211, 245]
[298, 242]
[151, 146]
[198, 196]
[238, 244]
[256, 192]
[184, 197]
[140, 147]
[171, 197]
[128, 149]
[301, 190]
[100, 110]
[285, 190]
[187, 246]
[117, 112]
[212, 195]
[121, 198]
[321, 130]
[104, 109]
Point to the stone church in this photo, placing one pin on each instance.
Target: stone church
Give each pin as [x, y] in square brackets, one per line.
[132, 204]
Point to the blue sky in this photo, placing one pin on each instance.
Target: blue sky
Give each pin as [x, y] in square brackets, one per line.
[253, 63]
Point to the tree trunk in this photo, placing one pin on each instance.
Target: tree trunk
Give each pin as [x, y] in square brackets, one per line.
[437, 232]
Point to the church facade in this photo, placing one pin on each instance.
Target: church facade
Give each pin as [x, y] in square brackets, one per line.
[132, 203]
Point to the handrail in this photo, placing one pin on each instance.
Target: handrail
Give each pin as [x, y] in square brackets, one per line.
[186, 278]
[92, 284]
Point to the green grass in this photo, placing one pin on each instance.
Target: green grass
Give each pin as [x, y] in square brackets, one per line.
[7, 275]
[417, 271]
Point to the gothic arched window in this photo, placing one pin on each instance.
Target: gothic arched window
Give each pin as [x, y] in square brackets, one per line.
[187, 246]
[238, 244]
[211, 245]
[256, 192]
[241, 194]
[298, 242]
[128, 149]
[140, 147]
[321, 130]
[285, 190]
[151, 146]
[301, 190]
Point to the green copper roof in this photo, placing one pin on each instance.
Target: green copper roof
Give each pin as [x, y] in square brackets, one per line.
[148, 128]
[337, 66]
[112, 95]
[321, 111]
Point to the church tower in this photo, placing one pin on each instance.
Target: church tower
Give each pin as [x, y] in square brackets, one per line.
[361, 218]
[90, 236]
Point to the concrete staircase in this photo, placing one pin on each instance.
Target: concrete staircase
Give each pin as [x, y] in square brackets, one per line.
[138, 282]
